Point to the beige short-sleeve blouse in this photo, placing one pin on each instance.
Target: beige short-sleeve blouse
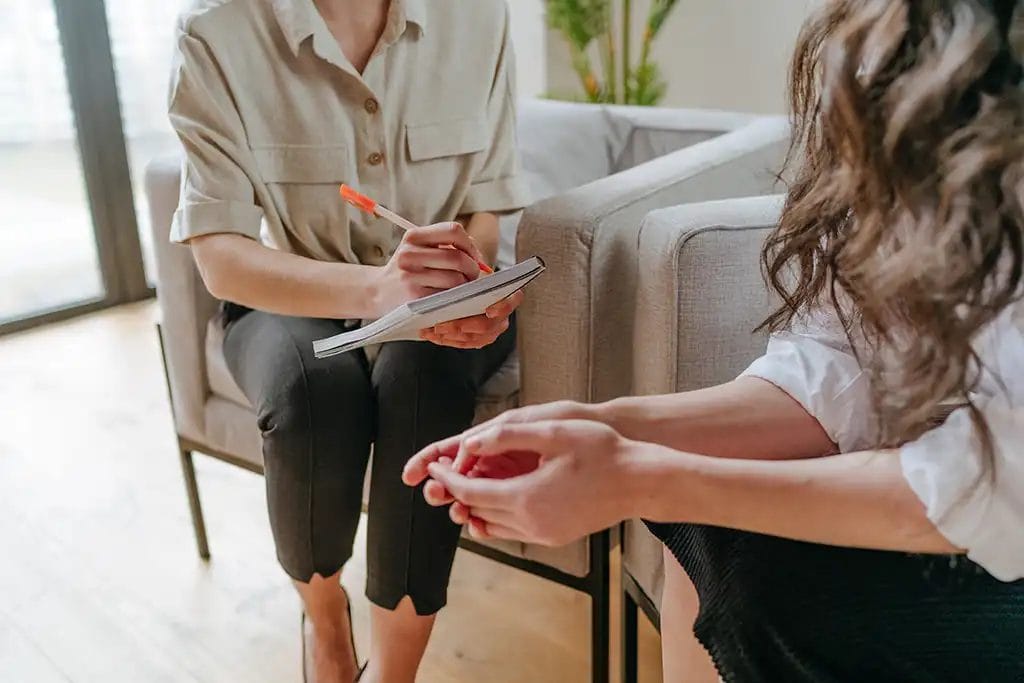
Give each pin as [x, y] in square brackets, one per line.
[273, 118]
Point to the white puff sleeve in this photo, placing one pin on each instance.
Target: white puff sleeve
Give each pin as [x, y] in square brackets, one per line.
[814, 363]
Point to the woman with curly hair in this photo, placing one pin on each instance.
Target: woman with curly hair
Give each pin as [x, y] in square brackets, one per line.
[852, 507]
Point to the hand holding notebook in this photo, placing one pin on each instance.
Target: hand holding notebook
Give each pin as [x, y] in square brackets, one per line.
[406, 322]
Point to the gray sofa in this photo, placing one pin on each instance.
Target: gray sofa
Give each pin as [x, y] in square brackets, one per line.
[596, 173]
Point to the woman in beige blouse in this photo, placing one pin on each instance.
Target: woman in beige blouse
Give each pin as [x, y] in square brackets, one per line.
[277, 102]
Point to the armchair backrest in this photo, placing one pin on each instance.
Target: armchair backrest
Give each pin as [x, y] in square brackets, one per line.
[185, 304]
[702, 293]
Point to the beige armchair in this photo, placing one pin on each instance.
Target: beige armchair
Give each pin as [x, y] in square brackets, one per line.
[699, 298]
[597, 172]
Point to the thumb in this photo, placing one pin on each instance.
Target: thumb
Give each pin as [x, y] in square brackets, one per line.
[544, 438]
[474, 250]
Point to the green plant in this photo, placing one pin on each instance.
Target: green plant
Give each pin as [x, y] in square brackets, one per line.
[586, 22]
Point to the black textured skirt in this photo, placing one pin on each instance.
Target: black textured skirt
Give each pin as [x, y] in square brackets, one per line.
[775, 610]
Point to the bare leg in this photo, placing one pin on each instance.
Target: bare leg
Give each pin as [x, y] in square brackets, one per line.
[683, 657]
[327, 609]
[399, 639]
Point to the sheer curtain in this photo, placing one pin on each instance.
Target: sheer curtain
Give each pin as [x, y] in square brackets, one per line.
[34, 104]
[142, 35]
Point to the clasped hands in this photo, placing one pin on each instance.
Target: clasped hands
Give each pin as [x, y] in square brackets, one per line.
[546, 474]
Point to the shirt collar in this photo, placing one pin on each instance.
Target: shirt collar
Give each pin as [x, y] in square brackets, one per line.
[296, 18]
[299, 18]
[415, 12]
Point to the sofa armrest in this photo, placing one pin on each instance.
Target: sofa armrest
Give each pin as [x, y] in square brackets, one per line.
[576, 325]
[185, 305]
[701, 294]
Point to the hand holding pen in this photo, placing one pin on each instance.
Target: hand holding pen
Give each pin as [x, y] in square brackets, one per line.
[431, 259]
[364, 203]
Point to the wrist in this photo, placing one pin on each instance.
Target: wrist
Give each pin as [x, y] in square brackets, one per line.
[661, 484]
[373, 293]
[610, 413]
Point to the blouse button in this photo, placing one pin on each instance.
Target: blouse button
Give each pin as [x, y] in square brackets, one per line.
[372, 107]
[375, 159]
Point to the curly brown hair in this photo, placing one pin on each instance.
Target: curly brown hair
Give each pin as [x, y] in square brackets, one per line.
[906, 205]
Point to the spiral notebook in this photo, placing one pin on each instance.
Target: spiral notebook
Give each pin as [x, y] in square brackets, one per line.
[405, 322]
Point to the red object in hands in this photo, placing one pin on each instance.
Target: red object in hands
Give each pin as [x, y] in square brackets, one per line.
[364, 203]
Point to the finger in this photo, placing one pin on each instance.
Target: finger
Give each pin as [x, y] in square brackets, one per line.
[505, 466]
[464, 462]
[473, 340]
[464, 459]
[436, 494]
[505, 307]
[453, 336]
[413, 257]
[477, 254]
[477, 324]
[483, 531]
[495, 516]
[434, 279]
[443, 234]
[537, 437]
[473, 492]
[464, 345]
[459, 513]
[415, 470]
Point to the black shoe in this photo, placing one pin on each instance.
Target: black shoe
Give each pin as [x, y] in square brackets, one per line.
[307, 652]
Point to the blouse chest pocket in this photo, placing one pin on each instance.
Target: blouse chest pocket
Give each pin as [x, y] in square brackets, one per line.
[444, 139]
[303, 181]
[442, 159]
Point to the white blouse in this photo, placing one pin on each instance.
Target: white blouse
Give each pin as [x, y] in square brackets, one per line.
[946, 468]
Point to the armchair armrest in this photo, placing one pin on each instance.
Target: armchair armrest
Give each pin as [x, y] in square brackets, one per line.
[700, 293]
[185, 305]
[576, 327]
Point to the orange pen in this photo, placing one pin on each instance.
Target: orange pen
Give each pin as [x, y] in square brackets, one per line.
[364, 203]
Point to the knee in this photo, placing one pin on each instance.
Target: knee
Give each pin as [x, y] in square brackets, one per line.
[302, 401]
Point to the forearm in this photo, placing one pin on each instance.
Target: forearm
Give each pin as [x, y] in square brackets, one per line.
[238, 269]
[745, 418]
[483, 228]
[855, 500]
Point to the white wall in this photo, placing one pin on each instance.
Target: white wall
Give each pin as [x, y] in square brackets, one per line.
[720, 54]
[528, 35]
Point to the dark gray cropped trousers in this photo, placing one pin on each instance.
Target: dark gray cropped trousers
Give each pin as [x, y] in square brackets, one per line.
[319, 419]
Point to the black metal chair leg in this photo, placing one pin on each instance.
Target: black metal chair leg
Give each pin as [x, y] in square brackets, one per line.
[192, 488]
[600, 608]
[630, 658]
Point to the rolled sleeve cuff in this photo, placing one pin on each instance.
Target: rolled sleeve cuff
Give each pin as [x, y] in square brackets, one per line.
[496, 196]
[210, 218]
[973, 507]
[829, 385]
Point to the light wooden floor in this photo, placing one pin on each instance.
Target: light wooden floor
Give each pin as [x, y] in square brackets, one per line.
[99, 578]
